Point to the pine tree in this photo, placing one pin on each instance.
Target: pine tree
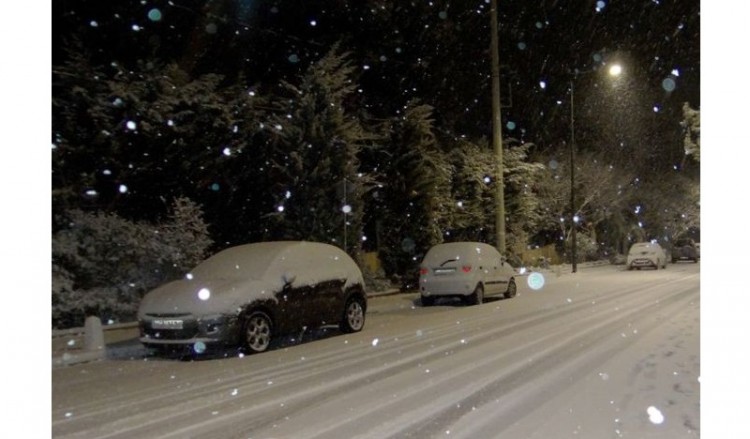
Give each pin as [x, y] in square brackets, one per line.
[471, 188]
[692, 125]
[314, 176]
[417, 203]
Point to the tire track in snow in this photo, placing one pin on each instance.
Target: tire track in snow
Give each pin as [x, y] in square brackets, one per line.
[336, 367]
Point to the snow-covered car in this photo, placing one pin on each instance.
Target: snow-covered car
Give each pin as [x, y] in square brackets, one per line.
[469, 270]
[246, 295]
[685, 250]
[646, 254]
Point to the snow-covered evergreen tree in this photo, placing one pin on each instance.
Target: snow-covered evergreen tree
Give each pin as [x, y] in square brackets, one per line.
[416, 193]
[523, 206]
[692, 124]
[316, 186]
[473, 204]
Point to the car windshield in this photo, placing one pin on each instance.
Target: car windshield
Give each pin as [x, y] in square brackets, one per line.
[454, 253]
[244, 261]
[638, 248]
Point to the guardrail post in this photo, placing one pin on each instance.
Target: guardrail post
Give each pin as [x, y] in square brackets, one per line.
[93, 338]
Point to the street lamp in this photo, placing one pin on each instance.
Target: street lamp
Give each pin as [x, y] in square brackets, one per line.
[614, 70]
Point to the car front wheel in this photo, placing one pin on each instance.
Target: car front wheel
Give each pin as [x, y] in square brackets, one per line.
[256, 332]
[354, 316]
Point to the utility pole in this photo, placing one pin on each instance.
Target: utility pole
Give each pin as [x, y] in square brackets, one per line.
[574, 245]
[497, 133]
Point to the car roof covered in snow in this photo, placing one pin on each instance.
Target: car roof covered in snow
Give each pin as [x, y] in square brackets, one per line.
[459, 250]
[642, 245]
[305, 262]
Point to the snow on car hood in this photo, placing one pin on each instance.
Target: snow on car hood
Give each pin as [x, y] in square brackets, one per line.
[206, 296]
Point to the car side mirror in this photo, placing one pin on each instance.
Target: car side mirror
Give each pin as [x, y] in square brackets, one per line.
[288, 278]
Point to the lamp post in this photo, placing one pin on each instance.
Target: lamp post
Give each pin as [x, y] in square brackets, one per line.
[497, 133]
[614, 70]
[572, 177]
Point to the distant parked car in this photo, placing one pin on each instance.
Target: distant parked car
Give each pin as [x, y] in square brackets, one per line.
[685, 250]
[246, 295]
[469, 270]
[646, 254]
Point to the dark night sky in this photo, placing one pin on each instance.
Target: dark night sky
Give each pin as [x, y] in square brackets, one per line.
[436, 51]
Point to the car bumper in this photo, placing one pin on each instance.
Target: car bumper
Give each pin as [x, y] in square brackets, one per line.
[447, 287]
[188, 330]
[642, 262]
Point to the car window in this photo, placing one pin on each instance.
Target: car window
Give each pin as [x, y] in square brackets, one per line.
[243, 261]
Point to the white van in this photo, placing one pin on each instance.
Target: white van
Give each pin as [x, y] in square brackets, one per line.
[469, 270]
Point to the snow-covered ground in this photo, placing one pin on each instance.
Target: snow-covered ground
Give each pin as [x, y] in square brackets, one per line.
[597, 354]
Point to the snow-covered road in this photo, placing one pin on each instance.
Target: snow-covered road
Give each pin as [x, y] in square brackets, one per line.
[603, 353]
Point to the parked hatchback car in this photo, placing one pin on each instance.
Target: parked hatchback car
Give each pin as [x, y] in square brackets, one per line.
[685, 250]
[246, 295]
[646, 254]
[469, 270]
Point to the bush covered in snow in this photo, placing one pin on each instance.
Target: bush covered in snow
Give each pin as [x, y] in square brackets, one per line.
[586, 248]
[102, 263]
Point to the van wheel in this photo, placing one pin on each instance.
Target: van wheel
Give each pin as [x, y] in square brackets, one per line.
[427, 301]
[477, 297]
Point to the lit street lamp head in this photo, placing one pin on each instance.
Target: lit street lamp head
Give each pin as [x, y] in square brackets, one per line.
[615, 70]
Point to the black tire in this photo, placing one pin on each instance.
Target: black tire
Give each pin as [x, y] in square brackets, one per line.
[477, 297]
[427, 301]
[353, 319]
[257, 331]
[512, 290]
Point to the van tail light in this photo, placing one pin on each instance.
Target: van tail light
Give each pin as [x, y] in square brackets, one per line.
[423, 271]
[466, 268]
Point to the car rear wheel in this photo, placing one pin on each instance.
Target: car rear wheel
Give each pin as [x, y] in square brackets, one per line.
[256, 332]
[477, 297]
[511, 291]
[428, 301]
[354, 316]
